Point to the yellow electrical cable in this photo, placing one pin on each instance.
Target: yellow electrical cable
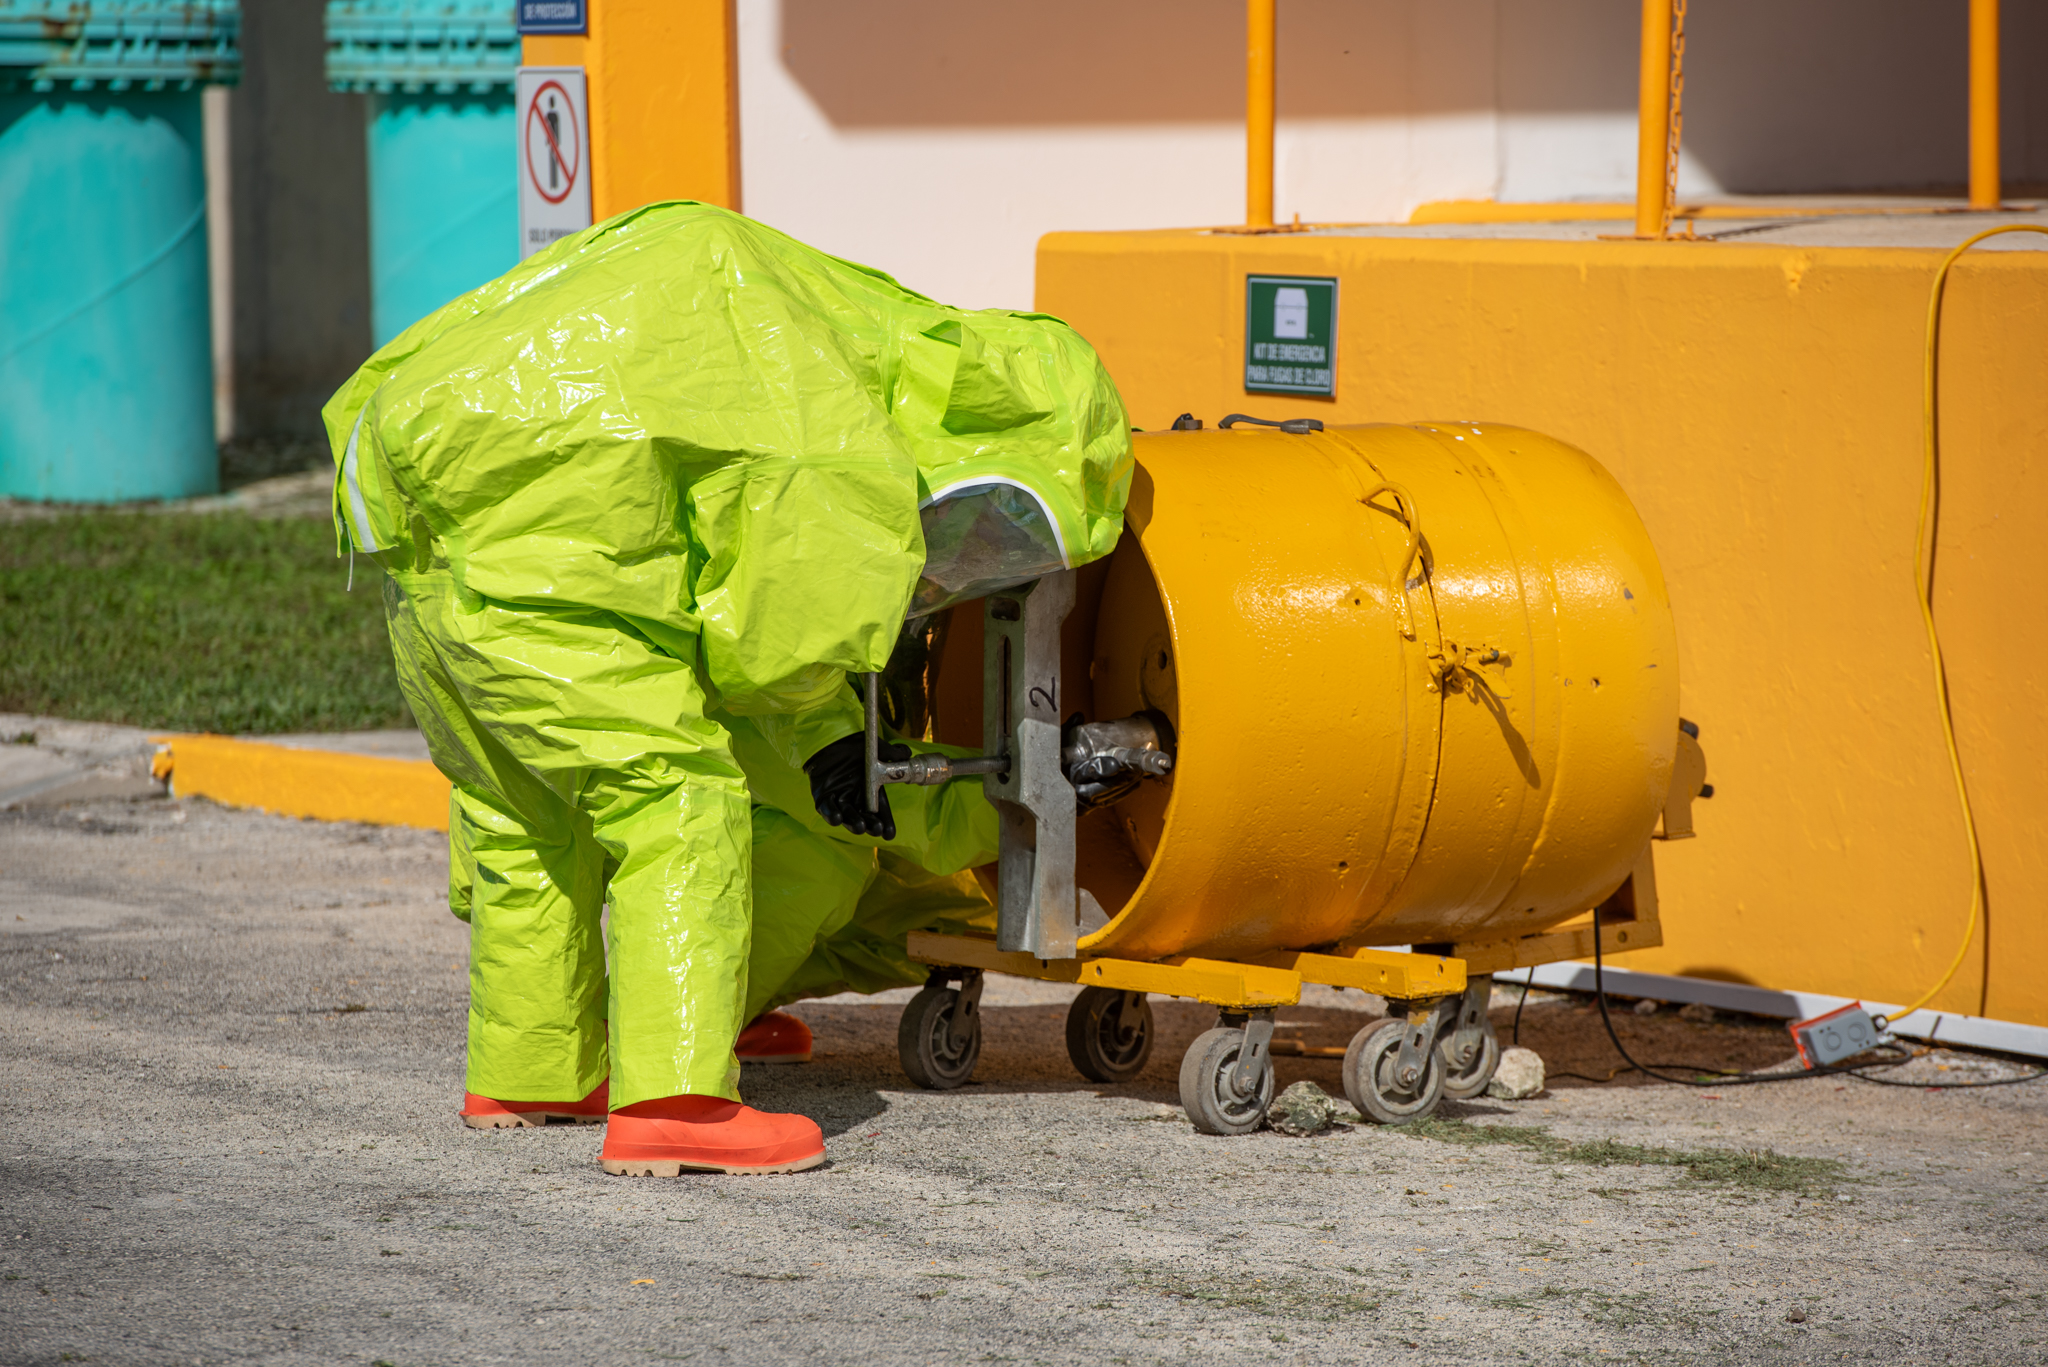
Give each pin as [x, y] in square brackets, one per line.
[1922, 558]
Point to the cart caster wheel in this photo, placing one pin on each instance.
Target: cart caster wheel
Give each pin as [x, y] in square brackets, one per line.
[1464, 1084]
[1213, 1103]
[1369, 1077]
[1109, 1034]
[925, 1040]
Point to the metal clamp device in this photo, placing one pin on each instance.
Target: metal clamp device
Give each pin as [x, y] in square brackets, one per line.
[1036, 773]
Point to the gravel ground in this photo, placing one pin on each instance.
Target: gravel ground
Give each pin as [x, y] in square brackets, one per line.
[233, 1046]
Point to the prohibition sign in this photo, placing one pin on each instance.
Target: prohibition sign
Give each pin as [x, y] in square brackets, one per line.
[554, 181]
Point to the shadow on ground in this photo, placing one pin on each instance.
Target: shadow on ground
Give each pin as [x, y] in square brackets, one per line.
[1023, 1049]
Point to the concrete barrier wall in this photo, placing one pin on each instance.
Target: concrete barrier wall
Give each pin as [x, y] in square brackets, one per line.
[1761, 405]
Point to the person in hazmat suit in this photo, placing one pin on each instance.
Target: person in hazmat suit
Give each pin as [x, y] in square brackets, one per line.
[833, 907]
[674, 469]
[835, 904]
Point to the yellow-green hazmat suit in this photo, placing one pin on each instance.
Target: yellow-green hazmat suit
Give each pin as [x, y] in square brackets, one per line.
[831, 909]
[669, 471]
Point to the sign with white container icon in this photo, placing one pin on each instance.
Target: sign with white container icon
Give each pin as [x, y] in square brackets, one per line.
[1290, 335]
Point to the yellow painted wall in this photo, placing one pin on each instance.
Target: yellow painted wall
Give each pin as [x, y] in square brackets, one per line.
[1761, 405]
[664, 100]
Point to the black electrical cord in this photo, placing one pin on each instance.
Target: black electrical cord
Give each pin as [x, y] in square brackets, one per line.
[1949, 1086]
[1522, 1001]
[1749, 1079]
[1725, 1080]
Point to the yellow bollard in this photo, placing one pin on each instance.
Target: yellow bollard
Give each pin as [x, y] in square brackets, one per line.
[1653, 119]
[1984, 177]
[1260, 42]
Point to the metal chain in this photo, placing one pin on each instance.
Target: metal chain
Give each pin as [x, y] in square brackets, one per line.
[1671, 139]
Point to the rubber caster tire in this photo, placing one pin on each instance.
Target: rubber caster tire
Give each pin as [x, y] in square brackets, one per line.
[1109, 1034]
[924, 1041]
[1205, 1092]
[1369, 1077]
[1463, 1086]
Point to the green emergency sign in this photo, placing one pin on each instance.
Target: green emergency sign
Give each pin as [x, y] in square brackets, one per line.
[1290, 335]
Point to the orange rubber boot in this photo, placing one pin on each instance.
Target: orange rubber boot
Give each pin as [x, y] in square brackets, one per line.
[774, 1037]
[673, 1134]
[484, 1113]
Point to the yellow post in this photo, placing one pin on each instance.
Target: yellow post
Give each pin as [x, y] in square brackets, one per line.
[1984, 182]
[1260, 41]
[1653, 118]
[664, 100]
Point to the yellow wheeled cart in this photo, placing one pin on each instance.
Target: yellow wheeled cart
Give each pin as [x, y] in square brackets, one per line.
[1336, 690]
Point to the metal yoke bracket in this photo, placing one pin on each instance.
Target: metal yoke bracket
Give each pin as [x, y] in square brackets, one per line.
[967, 1010]
[1254, 1054]
[1470, 1035]
[1426, 1020]
[1036, 909]
[967, 1013]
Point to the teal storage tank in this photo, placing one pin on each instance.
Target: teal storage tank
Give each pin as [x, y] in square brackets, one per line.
[444, 210]
[106, 358]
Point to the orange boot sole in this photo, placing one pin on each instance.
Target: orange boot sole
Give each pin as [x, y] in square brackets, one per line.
[487, 1113]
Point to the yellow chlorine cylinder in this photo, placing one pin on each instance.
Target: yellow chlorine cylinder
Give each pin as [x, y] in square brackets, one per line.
[1479, 746]
[1423, 681]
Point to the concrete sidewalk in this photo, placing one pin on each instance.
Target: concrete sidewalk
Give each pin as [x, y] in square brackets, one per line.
[46, 761]
[233, 1047]
[309, 493]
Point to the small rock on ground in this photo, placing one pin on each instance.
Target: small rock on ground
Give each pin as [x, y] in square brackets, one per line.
[1520, 1075]
[1696, 1011]
[1302, 1110]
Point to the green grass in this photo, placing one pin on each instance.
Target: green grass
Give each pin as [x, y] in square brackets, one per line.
[191, 622]
[1756, 1169]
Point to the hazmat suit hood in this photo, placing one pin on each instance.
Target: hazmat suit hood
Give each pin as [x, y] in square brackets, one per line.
[735, 443]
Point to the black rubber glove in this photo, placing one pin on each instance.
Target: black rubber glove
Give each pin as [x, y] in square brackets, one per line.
[839, 786]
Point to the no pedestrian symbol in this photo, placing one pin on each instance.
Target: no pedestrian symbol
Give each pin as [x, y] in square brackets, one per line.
[1290, 335]
[554, 156]
[550, 126]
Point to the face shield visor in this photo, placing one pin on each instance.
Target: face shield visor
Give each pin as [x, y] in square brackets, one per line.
[979, 538]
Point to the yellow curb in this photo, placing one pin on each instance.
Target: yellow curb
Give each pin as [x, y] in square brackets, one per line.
[324, 784]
